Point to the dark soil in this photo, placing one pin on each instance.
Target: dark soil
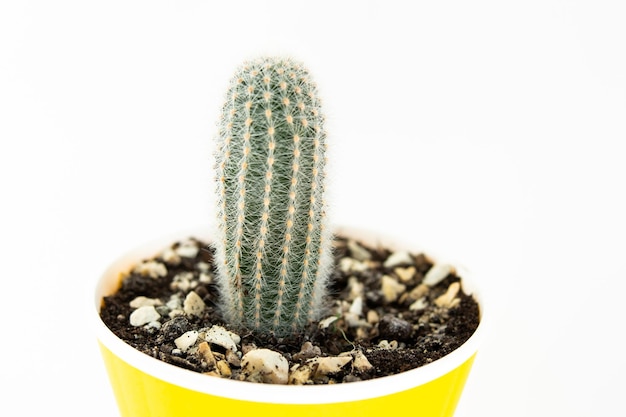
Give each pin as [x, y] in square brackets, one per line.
[397, 338]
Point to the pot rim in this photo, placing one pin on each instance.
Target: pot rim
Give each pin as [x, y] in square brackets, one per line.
[270, 393]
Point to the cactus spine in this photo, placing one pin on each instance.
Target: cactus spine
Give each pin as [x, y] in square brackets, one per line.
[273, 250]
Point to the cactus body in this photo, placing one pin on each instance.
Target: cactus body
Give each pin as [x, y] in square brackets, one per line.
[273, 251]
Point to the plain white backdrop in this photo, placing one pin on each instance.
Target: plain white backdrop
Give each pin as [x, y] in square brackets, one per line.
[492, 132]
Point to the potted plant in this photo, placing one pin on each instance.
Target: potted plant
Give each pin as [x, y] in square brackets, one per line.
[253, 309]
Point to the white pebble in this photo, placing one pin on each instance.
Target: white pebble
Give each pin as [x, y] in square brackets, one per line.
[357, 288]
[353, 320]
[405, 274]
[329, 365]
[419, 304]
[236, 338]
[170, 257]
[174, 302]
[144, 315]
[357, 306]
[175, 313]
[205, 278]
[391, 288]
[437, 273]
[358, 252]
[385, 344]
[398, 258]
[142, 301]
[153, 325]
[186, 340]
[352, 265]
[188, 249]
[264, 365]
[182, 282]
[193, 304]
[300, 374]
[218, 335]
[361, 363]
[203, 267]
[152, 269]
[323, 324]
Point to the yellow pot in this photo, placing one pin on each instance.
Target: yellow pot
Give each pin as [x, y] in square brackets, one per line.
[145, 386]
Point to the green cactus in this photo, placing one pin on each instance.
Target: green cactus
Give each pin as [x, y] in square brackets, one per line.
[273, 250]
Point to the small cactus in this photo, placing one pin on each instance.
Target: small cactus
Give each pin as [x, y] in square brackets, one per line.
[273, 251]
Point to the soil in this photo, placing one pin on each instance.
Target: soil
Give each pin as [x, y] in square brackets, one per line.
[395, 332]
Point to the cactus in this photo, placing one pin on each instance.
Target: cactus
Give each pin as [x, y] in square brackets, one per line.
[273, 251]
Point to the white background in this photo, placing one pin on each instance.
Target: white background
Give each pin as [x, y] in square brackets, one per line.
[492, 132]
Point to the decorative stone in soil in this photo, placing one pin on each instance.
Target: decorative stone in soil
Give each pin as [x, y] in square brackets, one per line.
[388, 312]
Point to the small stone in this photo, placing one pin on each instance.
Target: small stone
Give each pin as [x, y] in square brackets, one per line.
[301, 374]
[142, 301]
[205, 278]
[391, 288]
[163, 310]
[394, 328]
[361, 363]
[358, 252]
[144, 315]
[188, 249]
[356, 288]
[405, 274]
[224, 369]
[203, 267]
[176, 312]
[193, 304]
[248, 347]
[153, 326]
[372, 317]
[205, 352]
[352, 265]
[329, 364]
[186, 340]
[174, 302]
[323, 324]
[233, 359]
[307, 351]
[385, 344]
[354, 320]
[170, 257]
[362, 332]
[419, 292]
[152, 269]
[357, 306]
[419, 304]
[397, 259]
[221, 337]
[183, 282]
[175, 327]
[264, 365]
[448, 300]
[236, 338]
[437, 273]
